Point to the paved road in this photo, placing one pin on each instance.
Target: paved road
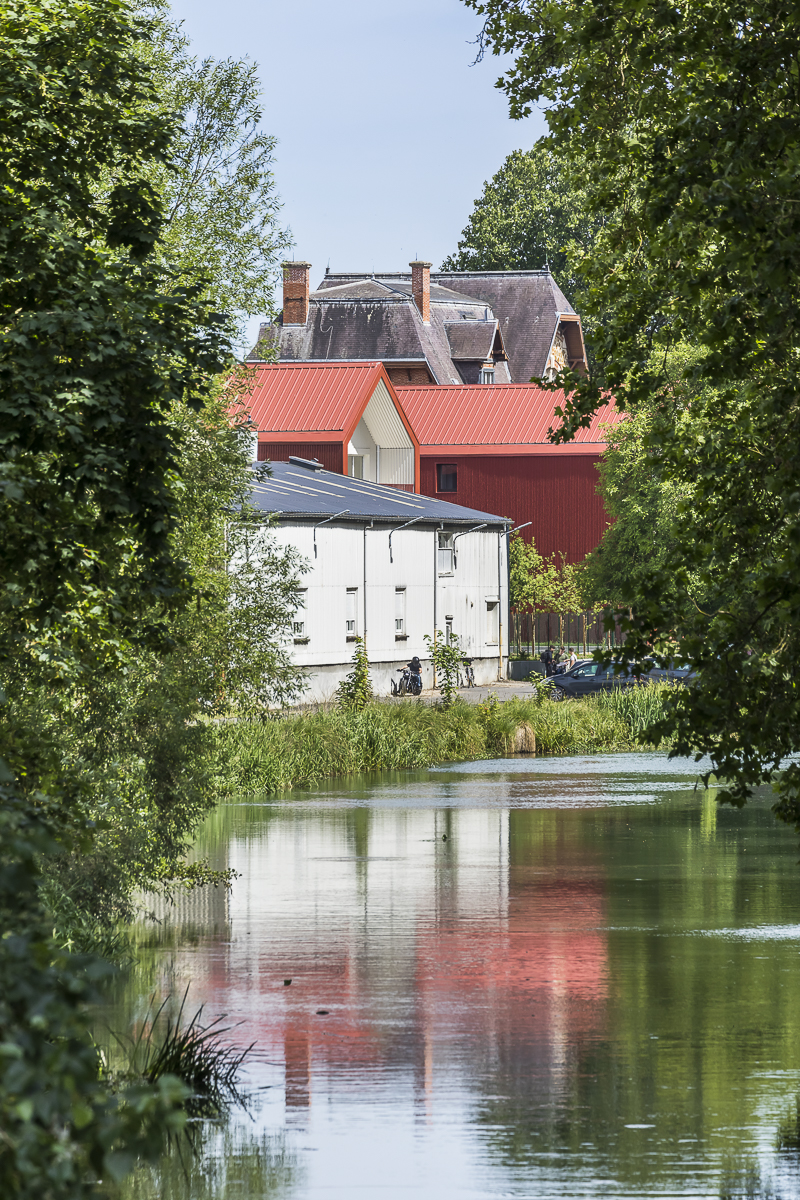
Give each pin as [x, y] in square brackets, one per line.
[506, 690]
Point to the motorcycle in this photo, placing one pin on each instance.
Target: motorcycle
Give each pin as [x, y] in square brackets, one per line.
[408, 683]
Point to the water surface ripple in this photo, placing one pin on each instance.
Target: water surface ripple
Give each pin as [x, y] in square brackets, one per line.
[525, 978]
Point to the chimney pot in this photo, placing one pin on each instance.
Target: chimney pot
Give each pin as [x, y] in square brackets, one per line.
[296, 291]
[421, 287]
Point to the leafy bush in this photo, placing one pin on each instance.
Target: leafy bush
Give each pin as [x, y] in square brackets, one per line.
[62, 1127]
[355, 690]
[448, 659]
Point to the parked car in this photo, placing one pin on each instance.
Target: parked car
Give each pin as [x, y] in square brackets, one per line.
[588, 677]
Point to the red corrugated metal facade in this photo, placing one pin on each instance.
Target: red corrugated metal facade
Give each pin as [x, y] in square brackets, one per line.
[330, 454]
[556, 491]
[496, 435]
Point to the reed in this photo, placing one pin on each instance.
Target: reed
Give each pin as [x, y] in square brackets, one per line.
[189, 1050]
[299, 750]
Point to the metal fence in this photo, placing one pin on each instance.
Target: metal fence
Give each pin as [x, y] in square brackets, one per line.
[530, 633]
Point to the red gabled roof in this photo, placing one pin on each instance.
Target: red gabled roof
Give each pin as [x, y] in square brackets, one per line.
[311, 398]
[496, 419]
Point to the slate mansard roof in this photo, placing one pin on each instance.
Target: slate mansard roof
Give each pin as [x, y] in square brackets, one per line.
[529, 306]
[374, 318]
[309, 492]
[508, 318]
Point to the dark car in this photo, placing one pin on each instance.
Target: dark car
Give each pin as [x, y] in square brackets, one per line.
[585, 678]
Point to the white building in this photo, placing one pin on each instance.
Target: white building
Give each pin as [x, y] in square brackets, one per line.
[389, 566]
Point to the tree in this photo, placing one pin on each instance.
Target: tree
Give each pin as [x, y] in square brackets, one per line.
[688, 117]
[100, 346]
[140, 738]
[220, 206]
[531, 215]
[538, 584]
[525, 564]
[643, 498]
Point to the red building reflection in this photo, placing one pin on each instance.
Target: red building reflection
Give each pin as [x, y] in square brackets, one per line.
[509, 974]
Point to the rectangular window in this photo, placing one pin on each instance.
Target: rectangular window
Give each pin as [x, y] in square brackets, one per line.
[299, 623]
[487, 375]
[448, 630]
[399, 612]
[445, 555]
[355, 466]
[351, 611]
[492, 622]
[446, 477]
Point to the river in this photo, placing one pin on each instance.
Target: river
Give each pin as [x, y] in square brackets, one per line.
[538, 978]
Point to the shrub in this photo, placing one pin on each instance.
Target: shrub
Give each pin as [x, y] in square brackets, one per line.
[355, 690]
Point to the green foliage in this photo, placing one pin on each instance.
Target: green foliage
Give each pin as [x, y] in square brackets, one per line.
[116, 466]
[525, 566]
[169, 1046]
[448, 659]
[62, 1127]
[646, 503]
[355, 690]
[220, 226]
[687, 118]
[96, 347]
[531, 214]
[299, 751]
[540, 584]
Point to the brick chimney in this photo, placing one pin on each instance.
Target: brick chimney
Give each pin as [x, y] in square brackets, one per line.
[421, 287]
[296, 289]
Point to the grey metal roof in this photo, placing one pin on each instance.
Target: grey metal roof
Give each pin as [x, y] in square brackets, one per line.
[296, 491]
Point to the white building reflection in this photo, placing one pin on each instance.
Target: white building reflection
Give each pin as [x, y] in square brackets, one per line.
[427, 950]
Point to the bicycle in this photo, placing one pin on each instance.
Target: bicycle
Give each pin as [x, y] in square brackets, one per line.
[468, 678]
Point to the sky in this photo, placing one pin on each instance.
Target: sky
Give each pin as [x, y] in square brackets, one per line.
[386, 131]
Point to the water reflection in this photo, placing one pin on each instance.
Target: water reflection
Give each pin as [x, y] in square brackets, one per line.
[550, 977]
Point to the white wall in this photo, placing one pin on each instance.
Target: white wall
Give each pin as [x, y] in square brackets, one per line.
[340, 564]
[363, 443]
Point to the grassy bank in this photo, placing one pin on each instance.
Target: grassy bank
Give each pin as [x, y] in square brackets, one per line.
[306, 748]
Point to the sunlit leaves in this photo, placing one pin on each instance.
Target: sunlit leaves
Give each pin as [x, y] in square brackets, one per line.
[687, 118]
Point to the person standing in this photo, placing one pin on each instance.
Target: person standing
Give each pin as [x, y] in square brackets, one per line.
[547, 659]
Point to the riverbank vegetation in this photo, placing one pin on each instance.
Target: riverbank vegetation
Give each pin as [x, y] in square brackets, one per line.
[123, 493]
[297, 750]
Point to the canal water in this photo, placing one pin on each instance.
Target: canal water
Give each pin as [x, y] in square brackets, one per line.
[571, 977]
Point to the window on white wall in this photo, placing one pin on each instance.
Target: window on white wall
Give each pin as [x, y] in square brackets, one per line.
[492, 622]
[351, 612]
[445, 553]
[399, 613]
[300, 624]
[355, 466]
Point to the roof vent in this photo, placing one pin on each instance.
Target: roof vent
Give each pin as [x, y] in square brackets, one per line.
[310, 464]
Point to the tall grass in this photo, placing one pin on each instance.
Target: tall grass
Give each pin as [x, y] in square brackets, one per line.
[303, 749]
[193, 1052]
